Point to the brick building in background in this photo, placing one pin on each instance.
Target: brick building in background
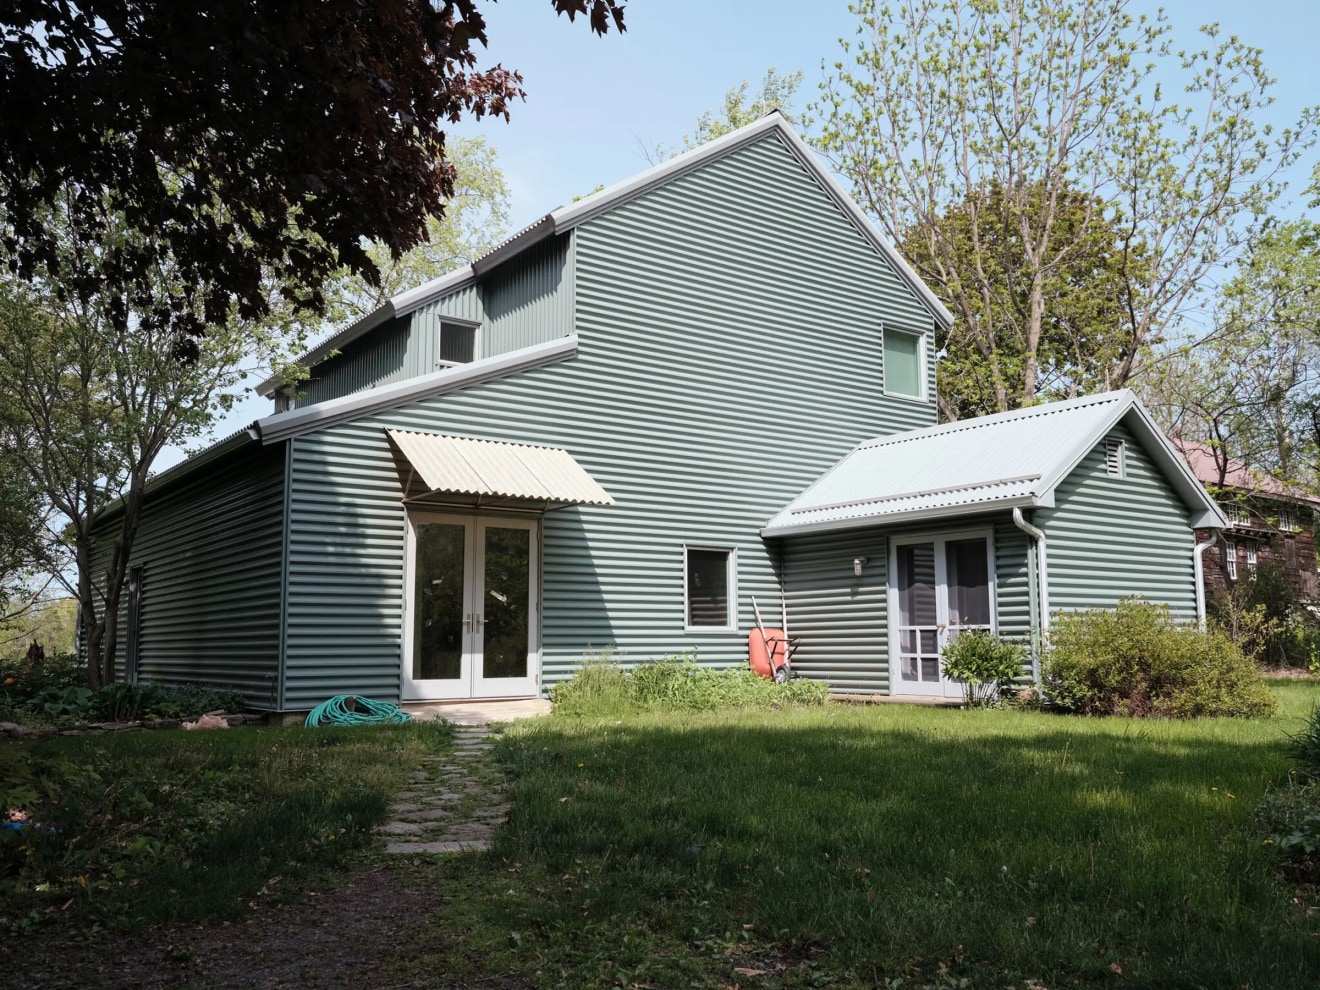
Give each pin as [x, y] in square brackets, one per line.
[1269, 521]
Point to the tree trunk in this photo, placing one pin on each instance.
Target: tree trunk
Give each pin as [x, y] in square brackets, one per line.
[1031, 338]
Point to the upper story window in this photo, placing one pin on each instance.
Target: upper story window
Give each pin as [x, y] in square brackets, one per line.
[1237, 514]
[904, 368]
[458, 342]
[1115, 458]
[1287, 520]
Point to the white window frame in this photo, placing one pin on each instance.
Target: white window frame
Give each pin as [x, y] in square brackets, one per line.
[922, 369]
[454, 321]
[1119, 447]
[732, 563]
[1230, 559]
[1238, 514]
[1251, 558]
[1287, 521]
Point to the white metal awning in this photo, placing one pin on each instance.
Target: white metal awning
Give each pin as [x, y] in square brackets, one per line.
[490, 469]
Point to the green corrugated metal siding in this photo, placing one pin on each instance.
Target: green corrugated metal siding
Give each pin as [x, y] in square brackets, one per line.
[843, 620]
[528, 300]
[210, 550]
[378, 358]
[424, 325]
[730, 353]
[1110, 538]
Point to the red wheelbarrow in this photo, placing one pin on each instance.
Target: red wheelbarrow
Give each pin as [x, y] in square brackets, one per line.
[770, 651]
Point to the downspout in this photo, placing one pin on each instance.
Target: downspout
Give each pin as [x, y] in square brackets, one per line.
[1198, 575]
[1043, 590]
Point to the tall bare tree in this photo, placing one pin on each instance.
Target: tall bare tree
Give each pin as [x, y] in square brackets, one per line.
[1052, 103]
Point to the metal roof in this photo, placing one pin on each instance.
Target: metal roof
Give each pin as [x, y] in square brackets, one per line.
[1008, 459]
[567, 217]
[465, 466]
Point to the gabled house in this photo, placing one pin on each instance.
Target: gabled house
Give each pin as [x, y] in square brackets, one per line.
[1269, 522]
[621, 428]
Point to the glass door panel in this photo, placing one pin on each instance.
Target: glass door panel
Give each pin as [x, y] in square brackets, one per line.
[437, 630]
[918, 614]
[506, 609]
[507, 602]
[940, 588]
[439, 617]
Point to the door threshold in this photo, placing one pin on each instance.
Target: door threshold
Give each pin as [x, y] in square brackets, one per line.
[479, 711]
[930, 701]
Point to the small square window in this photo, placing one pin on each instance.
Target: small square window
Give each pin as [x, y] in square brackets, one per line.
[458, 343]
[711, 589]
[1115, 458]
[903, 363]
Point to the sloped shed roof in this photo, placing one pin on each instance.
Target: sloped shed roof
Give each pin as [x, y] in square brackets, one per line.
[991, 462]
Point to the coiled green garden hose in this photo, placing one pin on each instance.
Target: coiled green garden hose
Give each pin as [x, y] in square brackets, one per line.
[347, 709]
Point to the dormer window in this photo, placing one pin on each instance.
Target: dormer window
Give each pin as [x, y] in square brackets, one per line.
[457, 343]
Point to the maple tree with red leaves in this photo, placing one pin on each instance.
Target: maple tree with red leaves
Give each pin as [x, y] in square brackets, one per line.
[247, 143]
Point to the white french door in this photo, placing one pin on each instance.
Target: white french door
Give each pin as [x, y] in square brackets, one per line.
[470, 613]
[938, 586]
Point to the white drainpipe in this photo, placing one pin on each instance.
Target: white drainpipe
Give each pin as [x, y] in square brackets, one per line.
[1043, 588]
[1198, 574]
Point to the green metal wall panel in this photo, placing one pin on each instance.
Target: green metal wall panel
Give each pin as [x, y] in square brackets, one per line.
[529, 299]
[525, 301]
[730, 352]
[210, 549]
[1110, 538]
[842, 619]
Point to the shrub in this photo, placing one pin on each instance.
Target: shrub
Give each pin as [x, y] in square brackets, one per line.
[984, 663]
[1135, 660]
[675, 683]
[1265, 614]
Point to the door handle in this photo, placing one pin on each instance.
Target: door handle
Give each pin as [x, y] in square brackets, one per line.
[477, 619]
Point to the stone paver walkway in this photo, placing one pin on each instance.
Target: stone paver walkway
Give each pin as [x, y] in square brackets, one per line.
[454, 804]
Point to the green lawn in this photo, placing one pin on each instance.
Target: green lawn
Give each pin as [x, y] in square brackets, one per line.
[860, 846]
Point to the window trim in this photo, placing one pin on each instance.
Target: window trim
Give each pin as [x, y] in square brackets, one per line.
[732, 608]
[922, 369]
[1287, 520]
[456, 321]
[1230, 559]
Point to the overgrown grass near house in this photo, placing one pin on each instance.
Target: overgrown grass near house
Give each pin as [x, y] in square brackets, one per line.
[601, 688]
[841, 846]
[162, 826]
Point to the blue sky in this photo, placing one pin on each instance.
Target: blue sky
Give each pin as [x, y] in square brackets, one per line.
[593, 103]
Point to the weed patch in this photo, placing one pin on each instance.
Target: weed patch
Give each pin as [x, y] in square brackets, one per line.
[153, 827]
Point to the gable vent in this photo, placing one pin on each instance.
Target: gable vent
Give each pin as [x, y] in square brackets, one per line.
[1115, 457]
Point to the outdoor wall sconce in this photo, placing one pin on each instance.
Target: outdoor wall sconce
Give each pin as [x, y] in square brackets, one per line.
[858, 564]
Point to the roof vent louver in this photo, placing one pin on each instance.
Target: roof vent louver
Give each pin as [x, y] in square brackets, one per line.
[1115, 458]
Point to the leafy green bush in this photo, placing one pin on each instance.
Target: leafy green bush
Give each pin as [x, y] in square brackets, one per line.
[21, 680]
[984, 663]
[676, 683]
[1135, 660]
[1266, 615]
